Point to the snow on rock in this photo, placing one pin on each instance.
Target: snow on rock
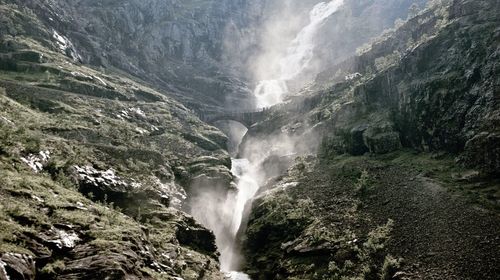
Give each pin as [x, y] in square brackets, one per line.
[140, 130]
[36, 162]
[62, 239]
[67, 240]
[154, 128]
[353, 76]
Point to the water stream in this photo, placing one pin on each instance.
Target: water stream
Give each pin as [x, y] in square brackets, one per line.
[294, 60]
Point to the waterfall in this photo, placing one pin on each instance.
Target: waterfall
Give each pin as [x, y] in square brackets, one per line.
[296, 58]
[247, 188]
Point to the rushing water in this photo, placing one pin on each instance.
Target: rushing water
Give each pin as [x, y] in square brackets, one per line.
[295, 59]
[247, 188]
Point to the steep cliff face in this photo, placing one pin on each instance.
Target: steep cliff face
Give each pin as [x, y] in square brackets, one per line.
[440, 92]
[356, 25]
[430, 86]
[175, 45]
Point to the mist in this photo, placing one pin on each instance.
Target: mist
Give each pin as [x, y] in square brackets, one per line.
[280, 54]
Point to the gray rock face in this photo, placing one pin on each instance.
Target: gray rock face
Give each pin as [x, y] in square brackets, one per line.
[17, 266]
[176, 45]
[435, 82]
[382, 139]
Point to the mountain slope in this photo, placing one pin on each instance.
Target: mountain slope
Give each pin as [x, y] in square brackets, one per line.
[175, 45]
[405, 184]
[96, 166]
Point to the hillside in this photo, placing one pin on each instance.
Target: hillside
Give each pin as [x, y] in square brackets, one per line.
[136, 140]
[405, 181]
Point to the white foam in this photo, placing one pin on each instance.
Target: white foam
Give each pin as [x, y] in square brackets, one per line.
[297, 58]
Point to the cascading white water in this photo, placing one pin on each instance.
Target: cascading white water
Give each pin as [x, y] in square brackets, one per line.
[295, 58]
[247, 188]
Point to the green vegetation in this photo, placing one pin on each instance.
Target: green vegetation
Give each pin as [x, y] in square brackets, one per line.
[86, 117]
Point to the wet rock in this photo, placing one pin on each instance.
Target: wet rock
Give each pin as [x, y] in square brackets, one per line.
[17, 266]
[197, 238]
[188, 232]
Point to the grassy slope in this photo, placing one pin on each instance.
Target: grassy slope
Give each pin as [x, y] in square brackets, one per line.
[93, 117]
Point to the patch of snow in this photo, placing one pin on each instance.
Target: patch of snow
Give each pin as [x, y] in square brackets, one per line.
[353, 241]
[135, 185]
[288, 185]
[36, 162]
[90, 175]
[65, 46]
[66, 240]
[131, 112]
[44, 155]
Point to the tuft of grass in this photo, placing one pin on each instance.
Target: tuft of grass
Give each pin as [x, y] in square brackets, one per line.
[52, 269]
[363, 182]
[390, 267]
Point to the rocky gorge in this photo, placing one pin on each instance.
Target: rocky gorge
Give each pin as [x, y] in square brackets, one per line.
[125, 152]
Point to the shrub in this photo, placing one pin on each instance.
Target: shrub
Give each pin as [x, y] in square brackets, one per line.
[363, 182]
[53, 268]
[390, 267]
